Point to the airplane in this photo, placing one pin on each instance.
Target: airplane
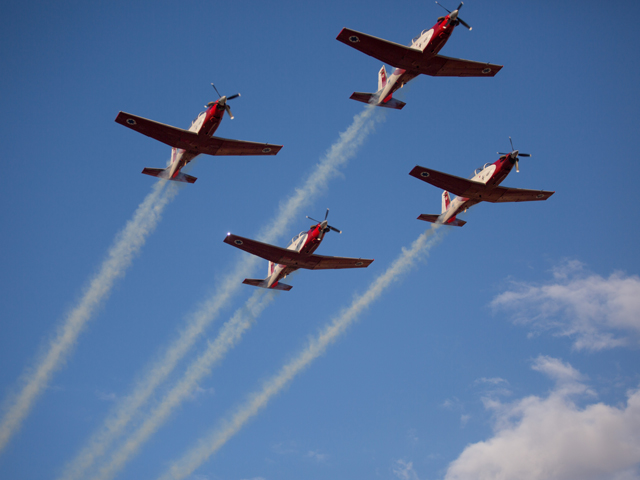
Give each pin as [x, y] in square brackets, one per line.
[482, 187]
[420, 57]
[188, 144]
[298, 254]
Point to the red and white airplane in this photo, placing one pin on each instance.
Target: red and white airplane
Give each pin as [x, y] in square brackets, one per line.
[188, 144]
[482, 187]
[298, 254]
[420, 57]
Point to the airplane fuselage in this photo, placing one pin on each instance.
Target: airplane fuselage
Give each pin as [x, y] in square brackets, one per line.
[206, 123]
[491, 175]
[304, 242]
[430, 42]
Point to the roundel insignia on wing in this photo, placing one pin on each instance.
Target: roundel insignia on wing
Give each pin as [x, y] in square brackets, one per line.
[540, 195]
[354, 39]
[238, 242]
[266, 150]
[424, 174]
[359, 264]
[486, 70]
[131, 121]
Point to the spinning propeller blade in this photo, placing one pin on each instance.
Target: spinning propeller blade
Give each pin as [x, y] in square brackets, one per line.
[517, 155]
[454, 15]
[444, 7]
[326, 226]
[222, 101]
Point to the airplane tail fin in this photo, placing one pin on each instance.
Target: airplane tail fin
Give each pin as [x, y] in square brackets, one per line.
[256, 282]
[372, 98]
[446, 203]
[382, 78]
[164, 173]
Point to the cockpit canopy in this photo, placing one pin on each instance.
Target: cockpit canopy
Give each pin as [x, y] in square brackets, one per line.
[417, 37]
[196, 119]
[297, 238]
[479, 169]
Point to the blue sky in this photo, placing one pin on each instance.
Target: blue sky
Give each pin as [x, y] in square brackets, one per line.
[512, 337]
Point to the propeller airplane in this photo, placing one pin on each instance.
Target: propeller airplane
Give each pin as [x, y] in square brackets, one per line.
[188, 144]
[482, 187]
[420, 57]
[298, 254]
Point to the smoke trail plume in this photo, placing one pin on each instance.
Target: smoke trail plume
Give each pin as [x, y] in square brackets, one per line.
[338, 154]
[126, 246]
[327, 168]
[316, 347]
[228, 337]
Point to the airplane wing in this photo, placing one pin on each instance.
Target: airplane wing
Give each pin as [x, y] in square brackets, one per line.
[441, 66]
[463, 187]
[520, 195]
[226, 146]
[292, 258]
[391, 53]
[172, 136]
[457, 185]
[186, 140]
[413, 59]
[333, 263]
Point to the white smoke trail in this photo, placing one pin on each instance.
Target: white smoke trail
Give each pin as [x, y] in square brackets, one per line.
[126, 246]
[316, 347]
[228, 337]
[338, 154]
[327, 168]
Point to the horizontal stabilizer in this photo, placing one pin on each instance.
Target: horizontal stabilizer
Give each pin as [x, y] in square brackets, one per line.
[256, 282]
[372, 98]
[157, 172]
[164, 173]
[434, 219]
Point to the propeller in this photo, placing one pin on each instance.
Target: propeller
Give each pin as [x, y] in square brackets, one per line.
[515, 154]
[453, 16]
[323, 224]
[223, 101]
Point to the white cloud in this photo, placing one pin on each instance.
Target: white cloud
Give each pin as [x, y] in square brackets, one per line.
[464, 419]
[285, 448]
[106, 396]
[552, 438]
[451, 403]
[317, 456]
[554, 368]
[493, 387]
[597, 312]
[404, 470]
[490, 381]
[412, 435]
